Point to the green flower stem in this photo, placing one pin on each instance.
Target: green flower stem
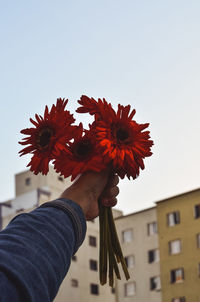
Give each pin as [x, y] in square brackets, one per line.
[111, 276]
[116, 244]
[110, 249]
[112, 262]
[103, 220]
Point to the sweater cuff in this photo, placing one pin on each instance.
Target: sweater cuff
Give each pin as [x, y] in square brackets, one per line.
[75, 212]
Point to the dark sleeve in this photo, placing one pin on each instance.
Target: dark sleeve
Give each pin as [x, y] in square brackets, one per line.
[36, 250]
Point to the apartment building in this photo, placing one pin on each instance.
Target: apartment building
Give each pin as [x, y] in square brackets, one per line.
[52, 183]
[179, 241]
[161, 246]
[139, 240]
[31, 191]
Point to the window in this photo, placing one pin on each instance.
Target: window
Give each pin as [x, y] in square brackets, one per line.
[60, 178]
[153, 256]
[197, 211]
[74, 283]
[180, 299]
[155, 283]
[152, 228]
[93, 265]
[198, 240]
[112, 290]
[92, 241]
[175, 246]
[127, 236]
[27, 181]
[20, 210]
[74, 258]
[130, 261]
[94, 289]
[177, 275]
[129, 289]
[173, 218]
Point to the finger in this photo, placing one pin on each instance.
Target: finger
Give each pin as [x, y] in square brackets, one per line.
[109, 202]
[111, 192]
[109, 199]
[113, 181]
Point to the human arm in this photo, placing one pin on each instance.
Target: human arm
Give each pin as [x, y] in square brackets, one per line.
[36, 247]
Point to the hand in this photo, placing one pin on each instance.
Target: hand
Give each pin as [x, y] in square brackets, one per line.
[91, 187]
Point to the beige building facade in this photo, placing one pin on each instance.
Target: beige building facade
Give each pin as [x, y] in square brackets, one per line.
[179, 240]
[31, 191]
[161, 246]
[82, 280]
[139, 241]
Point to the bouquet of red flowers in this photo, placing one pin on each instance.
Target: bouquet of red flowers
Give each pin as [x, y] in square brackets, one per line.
[113, 139]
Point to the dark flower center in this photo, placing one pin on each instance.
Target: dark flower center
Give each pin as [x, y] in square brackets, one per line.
[83, 149]
[122, 135]
[44, 137]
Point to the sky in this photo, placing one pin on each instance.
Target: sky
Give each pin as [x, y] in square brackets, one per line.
[142, 53]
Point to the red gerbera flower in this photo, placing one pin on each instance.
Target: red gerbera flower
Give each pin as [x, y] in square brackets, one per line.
[100, 109]
[122, 140]
[49, 137]
[81, 155]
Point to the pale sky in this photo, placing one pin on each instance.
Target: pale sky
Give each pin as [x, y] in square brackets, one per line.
[143, 53]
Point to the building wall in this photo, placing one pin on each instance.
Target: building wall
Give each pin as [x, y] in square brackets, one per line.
[32, 190]
[21, 204]
[80, 271]
[27, 181]
[189, 257]
[139, 247]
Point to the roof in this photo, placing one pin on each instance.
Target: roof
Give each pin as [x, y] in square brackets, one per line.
[135, 213]
[177, 195]
[159, 201]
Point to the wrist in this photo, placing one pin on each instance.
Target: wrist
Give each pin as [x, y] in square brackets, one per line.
[78, 197]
